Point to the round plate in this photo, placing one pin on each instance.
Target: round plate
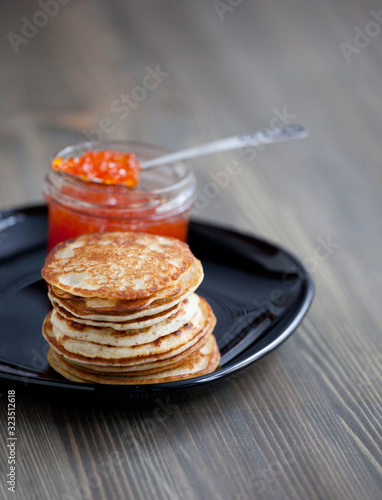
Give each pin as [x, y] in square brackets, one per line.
[258, 291]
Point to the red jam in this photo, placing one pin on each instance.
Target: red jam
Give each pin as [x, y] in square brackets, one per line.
[110, 167]
[65, 223]
[93, 193]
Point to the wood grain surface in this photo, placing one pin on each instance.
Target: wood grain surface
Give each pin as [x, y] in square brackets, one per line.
[306, 421]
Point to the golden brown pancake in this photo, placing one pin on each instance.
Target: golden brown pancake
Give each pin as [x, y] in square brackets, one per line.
[191, 279]
[103, 354]
[127, 338]
[117, 265]
[144, 368]
[93, 308]
[141, 322]
[203, 361]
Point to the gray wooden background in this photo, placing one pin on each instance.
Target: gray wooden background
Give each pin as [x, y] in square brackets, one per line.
[306, 421]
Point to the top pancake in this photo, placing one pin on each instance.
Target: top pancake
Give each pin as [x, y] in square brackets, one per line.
[120, 265]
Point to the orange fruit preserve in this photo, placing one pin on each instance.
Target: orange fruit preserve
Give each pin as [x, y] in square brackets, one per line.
[110, 167]
[65, 223]
[100, 191]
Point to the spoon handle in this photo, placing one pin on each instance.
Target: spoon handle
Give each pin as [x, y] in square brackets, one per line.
[265, 136]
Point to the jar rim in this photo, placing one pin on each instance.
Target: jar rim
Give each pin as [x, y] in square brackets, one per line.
[84, 146]
[176, 191]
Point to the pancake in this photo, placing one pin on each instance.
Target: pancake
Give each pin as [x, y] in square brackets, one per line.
[96, 309]
[137, 323]
[105, 351]
[203, 361]
[117, 265]
[127, 338]
[177, 289]
[164, 347]
[144, 368]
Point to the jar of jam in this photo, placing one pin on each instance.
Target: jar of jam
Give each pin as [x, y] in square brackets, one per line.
[160, 204]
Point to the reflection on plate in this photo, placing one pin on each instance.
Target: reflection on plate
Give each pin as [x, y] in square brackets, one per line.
[259, 294]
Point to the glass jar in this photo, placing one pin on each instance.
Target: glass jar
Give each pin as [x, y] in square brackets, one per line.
[159, 205]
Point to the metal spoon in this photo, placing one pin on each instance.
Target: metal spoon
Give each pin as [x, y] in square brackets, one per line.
[265, 136]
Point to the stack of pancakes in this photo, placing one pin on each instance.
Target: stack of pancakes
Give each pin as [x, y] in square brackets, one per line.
[125, 311]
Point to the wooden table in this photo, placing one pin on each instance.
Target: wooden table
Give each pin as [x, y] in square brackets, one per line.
[305, 422]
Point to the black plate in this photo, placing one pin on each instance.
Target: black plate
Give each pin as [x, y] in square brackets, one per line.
[259, 293]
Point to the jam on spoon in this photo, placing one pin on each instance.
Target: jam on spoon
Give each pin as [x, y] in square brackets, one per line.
[108, 167]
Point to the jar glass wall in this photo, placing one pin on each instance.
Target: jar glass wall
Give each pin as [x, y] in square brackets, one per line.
[159, 205]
